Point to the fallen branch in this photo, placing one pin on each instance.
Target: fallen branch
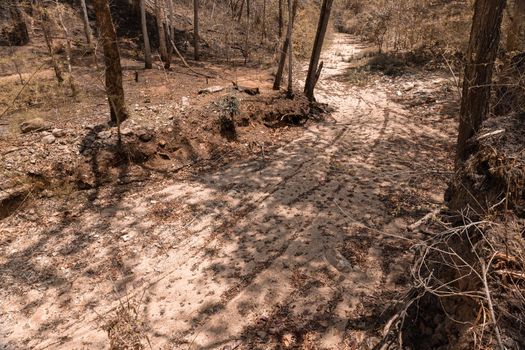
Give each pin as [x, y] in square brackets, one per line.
[186, 63]
[424, 219]
[492, 133]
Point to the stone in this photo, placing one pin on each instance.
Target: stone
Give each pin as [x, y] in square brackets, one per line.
[211, 89]
[145, 136]
[35, 124]
[126, 131]
[185, 102]
[104, 134]
[49, 139]
[261, 334]
[58, 132]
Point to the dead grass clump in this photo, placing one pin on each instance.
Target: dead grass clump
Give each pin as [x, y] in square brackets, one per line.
[126, 330]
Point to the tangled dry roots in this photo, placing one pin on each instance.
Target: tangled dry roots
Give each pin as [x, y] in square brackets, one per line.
[468, 290]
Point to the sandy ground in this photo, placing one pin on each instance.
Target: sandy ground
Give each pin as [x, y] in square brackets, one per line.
[305, 248]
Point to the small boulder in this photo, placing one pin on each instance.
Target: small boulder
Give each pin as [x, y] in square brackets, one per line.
[126, 132]
[35, 124]
[58, 133]
[49, 139]
[145, 136]
[211, 90]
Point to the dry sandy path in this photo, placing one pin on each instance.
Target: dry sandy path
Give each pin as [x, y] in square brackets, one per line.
[298, 249]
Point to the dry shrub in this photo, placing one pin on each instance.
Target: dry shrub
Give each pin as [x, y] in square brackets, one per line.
[407, 24]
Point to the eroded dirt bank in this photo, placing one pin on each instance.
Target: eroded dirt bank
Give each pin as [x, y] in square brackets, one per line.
[306, 246]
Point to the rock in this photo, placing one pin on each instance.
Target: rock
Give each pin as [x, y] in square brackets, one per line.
[49, 139]
[185, 102]
[145, 136]
[58, 132]
[261, 334]
[288, 340]
[126, 131]
[35, 124]
[104, 134]
[211, 90]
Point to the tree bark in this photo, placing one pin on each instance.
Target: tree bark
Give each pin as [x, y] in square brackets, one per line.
[45, 21]
[163, 50]
[289, 91]
[481, 54]
[324, 16]
[196, 29]
[71, 79]
[87, 28]
[264, 21]
[284, 51]
[148, 64]
[280, 18]
[516, 33]
[247, 34]
[108, 37]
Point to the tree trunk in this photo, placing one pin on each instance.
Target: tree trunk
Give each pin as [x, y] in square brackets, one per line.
[171, 27]
[196, 29]
[87, 28]
[516, 33]
[289, 91]
[240, 11]
[481, 54]
[264, 21]
[324, 16]
[71, 79]
[147, 49]
[163, 50]
[45, 21]
[247, 34]
[282, 59]
[280, 18]
[108, 37]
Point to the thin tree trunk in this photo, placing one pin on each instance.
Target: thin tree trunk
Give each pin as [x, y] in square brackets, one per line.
[289, 91]
[87, 28]
[108, 37]
[264, 21]
[481, 54]
[247, 34]
[46, 22]
[282, 59]
[240, 11]
[196, 29]
[516, 35]
[68, 56]
[167, 34]
[147, 49]
[171, 26]
[324, 16]
[281, 18]
[163, 50]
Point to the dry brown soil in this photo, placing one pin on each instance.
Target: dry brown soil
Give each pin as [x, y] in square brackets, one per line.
[307, 248]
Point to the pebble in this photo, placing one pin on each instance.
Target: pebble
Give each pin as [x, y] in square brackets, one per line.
[58, 132]
[49, 139]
